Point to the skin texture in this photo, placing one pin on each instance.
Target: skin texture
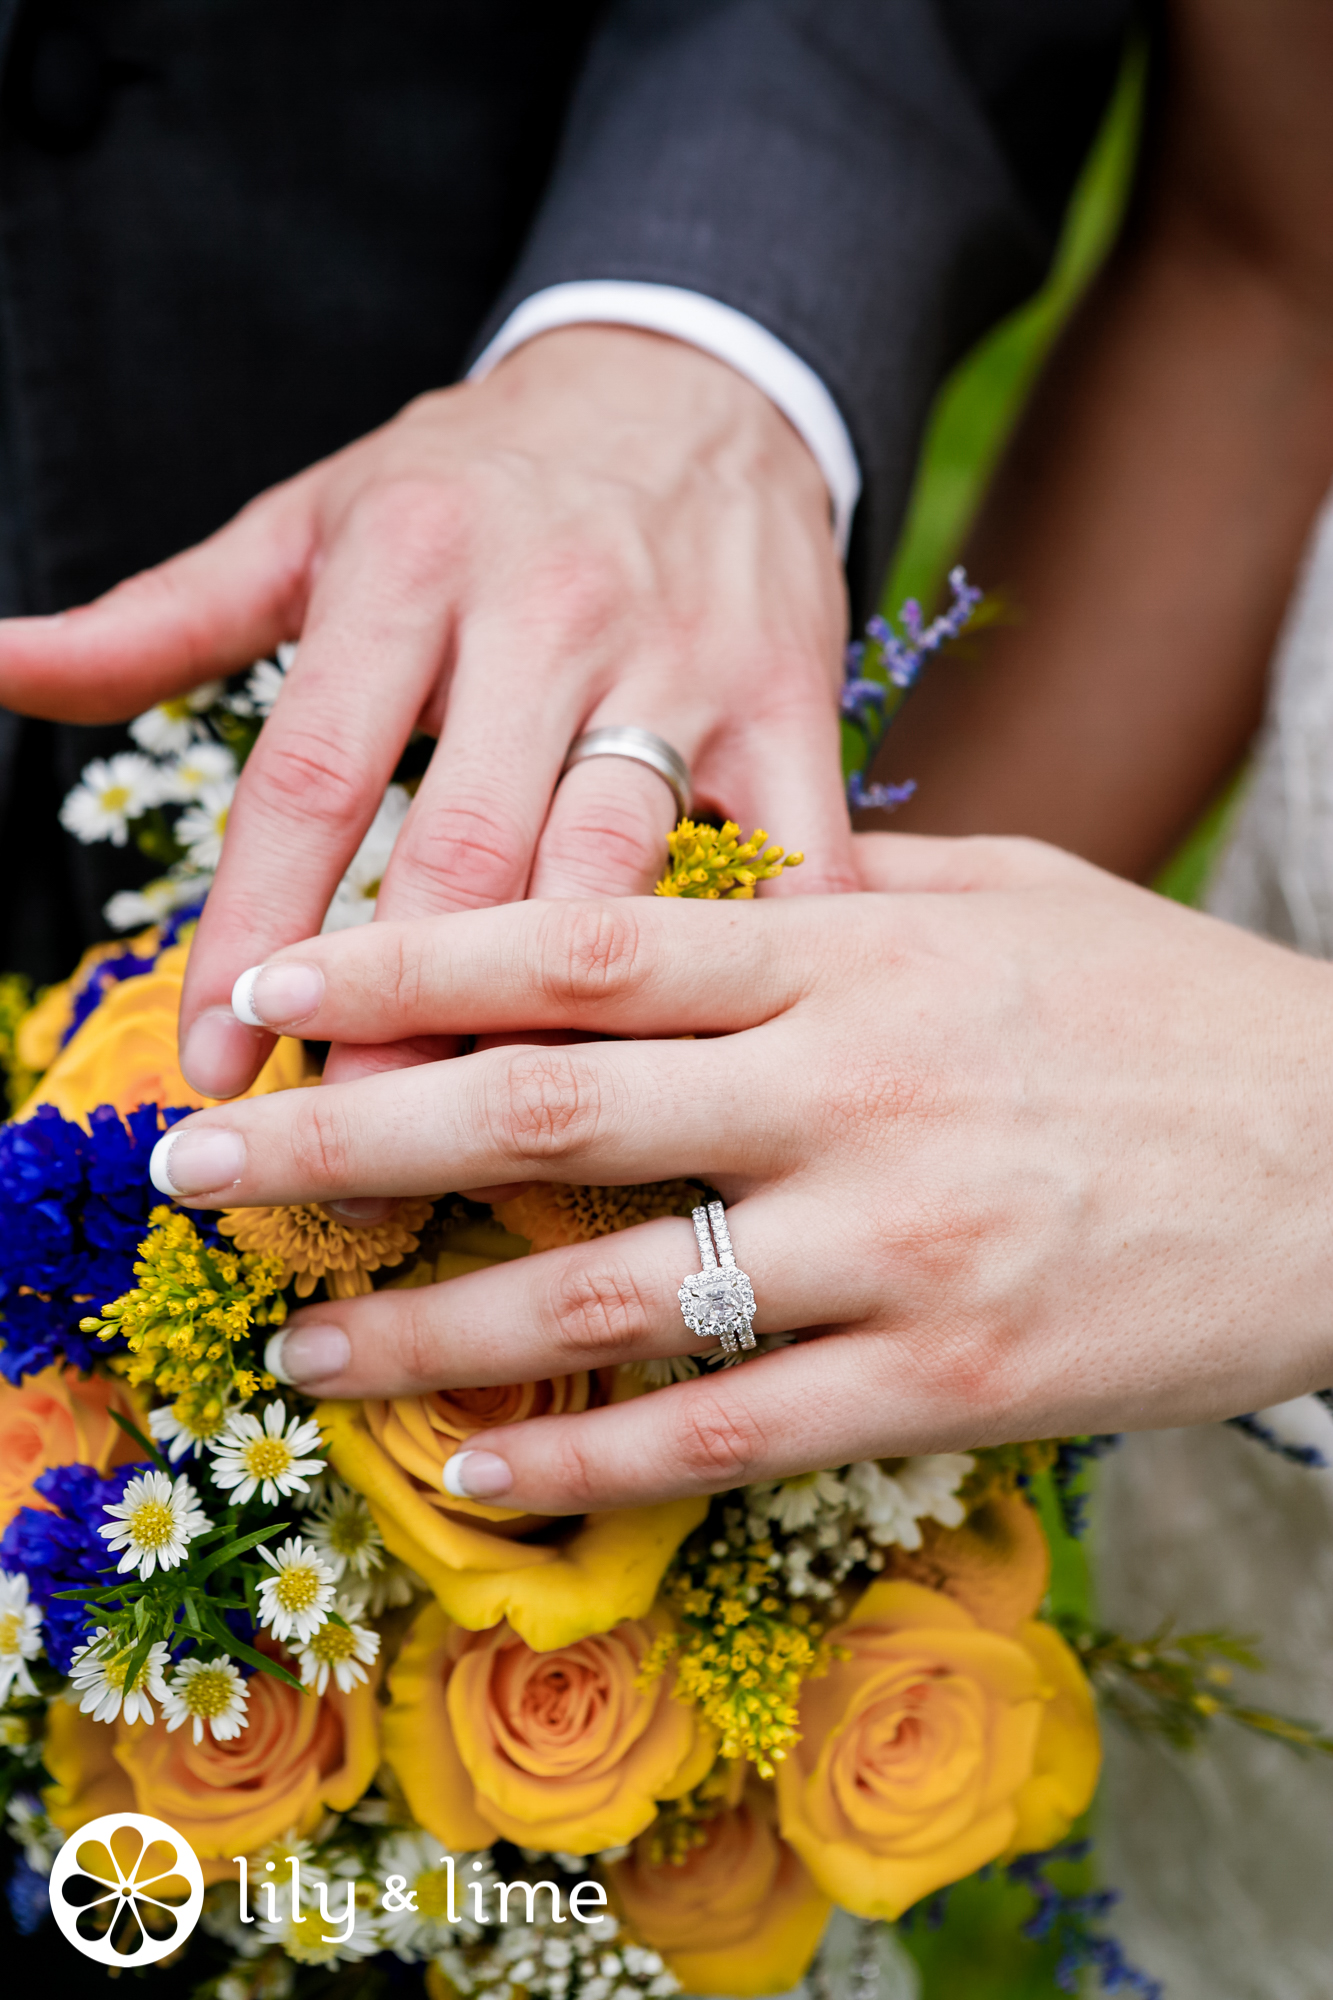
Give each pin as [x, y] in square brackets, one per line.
[612, 527]
[1146, 524]
[1033, 1152]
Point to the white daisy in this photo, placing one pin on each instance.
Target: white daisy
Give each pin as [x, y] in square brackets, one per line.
[154, 1523]
[296, 1600]
[31, 1829]
[345, 1651]
[131, 909]
[420, 1859]
[251, 1457]
[201, 828]
[174, 725]
[112, 792]
[354, 898]
[264, 685]
[20, 1635]
[189, 776]
[384, 1589]
[342, 1527]
[97, 1673]
[315, 1937]
[207, 1691]
[177, 1436]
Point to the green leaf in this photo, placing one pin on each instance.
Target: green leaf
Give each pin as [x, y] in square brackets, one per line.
[238, 1547]
[263, 1662]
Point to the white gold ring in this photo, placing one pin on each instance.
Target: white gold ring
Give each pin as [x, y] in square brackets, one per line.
[718, 1302]
[625, 739]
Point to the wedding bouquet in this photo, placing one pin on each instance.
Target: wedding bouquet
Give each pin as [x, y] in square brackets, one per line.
[590, 1758]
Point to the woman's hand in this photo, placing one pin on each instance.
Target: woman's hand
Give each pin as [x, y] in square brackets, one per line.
[611, 528]
[1045, 1157]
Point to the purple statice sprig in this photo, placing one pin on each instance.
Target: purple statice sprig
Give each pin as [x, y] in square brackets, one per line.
[1070, 1920]
[899, 658]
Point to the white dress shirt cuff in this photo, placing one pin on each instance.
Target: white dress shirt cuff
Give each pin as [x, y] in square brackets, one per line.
[720, 330]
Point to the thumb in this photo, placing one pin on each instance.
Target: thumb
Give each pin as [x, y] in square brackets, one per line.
[901, 863]
[210, 610]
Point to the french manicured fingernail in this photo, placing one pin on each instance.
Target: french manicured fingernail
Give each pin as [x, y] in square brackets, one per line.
[220, 1054]
[369, 1208]
[305, 1354]
[186, 1162]
[476, 1475]
[277, 996]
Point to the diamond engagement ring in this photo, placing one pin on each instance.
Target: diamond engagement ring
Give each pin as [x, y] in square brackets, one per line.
[718, 1301]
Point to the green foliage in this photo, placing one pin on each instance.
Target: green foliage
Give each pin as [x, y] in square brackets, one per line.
[1175, 1686]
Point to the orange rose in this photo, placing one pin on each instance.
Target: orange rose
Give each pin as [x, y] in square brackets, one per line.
[560, 1750]
[299, 1756]
[931, 1747]
[125, 1052]
[59, 1417]
[740, 1914]
[997, 1565]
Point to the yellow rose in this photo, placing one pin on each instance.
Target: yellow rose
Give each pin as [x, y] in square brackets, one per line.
[125, 1052]
[560, 1750]
[598, 1570]
[299, 1756]
[43, 1027]
[932, 1747]
[59, 1417]
[740, 1914]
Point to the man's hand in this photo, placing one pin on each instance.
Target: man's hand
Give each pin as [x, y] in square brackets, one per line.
[613, 527]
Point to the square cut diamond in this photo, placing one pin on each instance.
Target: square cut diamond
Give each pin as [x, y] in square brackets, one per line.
[716, 1303]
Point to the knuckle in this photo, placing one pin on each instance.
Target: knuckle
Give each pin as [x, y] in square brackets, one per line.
[543, 1106]
[719, 1441]
[464, 854]
[605, 842]
[322, 1149]
[302, 766]
[589, 954]
[595, 1314]
[412, 524]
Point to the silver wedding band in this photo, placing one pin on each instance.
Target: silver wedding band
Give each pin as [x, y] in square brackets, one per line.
[625, 739]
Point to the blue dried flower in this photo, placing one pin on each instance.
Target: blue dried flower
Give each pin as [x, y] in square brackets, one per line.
[63, 1551]
[74, 1208]
[28, 1896]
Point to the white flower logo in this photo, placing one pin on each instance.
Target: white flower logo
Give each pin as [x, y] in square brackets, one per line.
[126, 1890]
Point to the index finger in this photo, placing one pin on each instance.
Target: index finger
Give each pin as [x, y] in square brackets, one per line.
[371, 649]
[624, 966]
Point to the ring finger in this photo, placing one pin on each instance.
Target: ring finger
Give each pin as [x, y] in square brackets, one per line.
[590, 1306]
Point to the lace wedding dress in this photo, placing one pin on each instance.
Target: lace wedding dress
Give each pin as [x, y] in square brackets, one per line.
[1225, 1856]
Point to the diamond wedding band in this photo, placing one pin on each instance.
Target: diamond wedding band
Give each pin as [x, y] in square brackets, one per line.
[625, 739]
[718, 1302]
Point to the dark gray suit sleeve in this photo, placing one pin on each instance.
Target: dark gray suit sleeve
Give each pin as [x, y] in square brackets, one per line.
[874, 181]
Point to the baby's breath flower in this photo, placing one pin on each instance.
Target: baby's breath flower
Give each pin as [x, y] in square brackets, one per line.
[207, 1691]
[20, 1635]
[345, 1651]
[112, 792]
[342, 1527]
[708, 864]
[249, 1457]
[97, 1673]
[154, 1523]
[295, 1601]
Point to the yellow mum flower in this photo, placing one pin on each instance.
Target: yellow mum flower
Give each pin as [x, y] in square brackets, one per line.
[314, 1244]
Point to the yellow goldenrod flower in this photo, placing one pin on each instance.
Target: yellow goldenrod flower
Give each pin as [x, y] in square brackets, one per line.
[189, 1308]
[710, 864]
